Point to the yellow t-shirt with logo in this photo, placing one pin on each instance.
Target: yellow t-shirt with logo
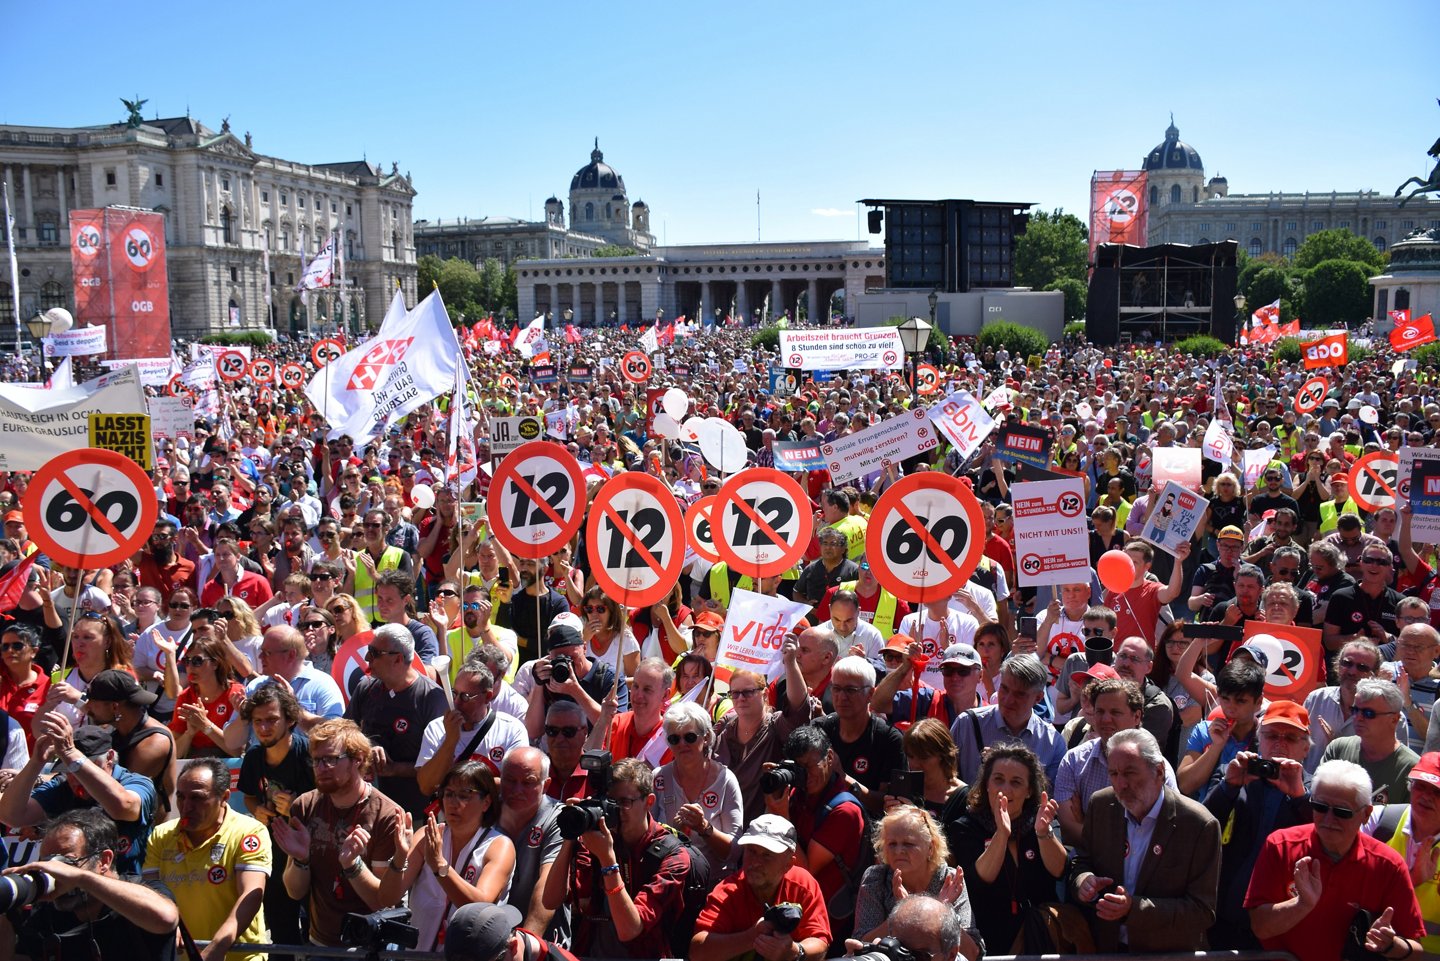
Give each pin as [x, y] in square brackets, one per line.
[204, 879]
[853, 527]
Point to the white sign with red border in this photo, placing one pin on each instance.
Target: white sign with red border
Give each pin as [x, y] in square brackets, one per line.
[1052, 536]
[964, 420]
[889, 442]
[232, 366]
[859, 348]
[925, 537]
[761, 522]
[537, 501]
[90, 508]
[636, 539]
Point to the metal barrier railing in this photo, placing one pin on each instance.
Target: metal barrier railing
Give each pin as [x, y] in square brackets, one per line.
[315, 951]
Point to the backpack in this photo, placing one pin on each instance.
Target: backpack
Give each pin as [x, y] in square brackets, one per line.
[696, 892]
[841, 905]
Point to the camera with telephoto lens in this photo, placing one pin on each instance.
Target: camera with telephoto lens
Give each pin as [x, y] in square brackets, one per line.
[784, 917]
[586, 814]
[786, 774]
[372, 932]
[885, 949]
[18, 890]
[561, 670]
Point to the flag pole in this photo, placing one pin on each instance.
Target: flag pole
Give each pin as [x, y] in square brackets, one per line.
[14, 266]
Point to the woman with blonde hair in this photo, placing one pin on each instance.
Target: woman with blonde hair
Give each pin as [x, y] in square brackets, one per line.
[349, 618]
[912, 858]
[243, 631]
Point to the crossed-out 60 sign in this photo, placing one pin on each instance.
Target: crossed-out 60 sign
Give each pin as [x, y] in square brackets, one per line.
[90, 508]
[925, 537]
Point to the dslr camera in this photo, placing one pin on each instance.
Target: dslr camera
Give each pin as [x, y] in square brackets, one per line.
[575, 819]
[19, 890]
[786, 774]
[561, 669]
[783, 917]
[372, 932]
[885, 949]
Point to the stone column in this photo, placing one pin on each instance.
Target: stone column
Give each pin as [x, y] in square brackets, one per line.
[29, 221]
[525, 300]
[600, 310]
[575, 301]
[649, 301]
[777, 300]
[817, 316]
[706, 301]
[742, 302]
[64, 226]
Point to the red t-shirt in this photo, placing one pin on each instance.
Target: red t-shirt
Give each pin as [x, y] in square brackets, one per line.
[250, 588]
[841, 832]
[1372, 875]
[22, 701]
[220, 711]
[625, 741]
[998, 549]
[435, 560]
[732, 905]
[167, 579]
[1137, 611]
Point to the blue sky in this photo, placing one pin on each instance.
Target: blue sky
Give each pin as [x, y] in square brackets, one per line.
[493, 106]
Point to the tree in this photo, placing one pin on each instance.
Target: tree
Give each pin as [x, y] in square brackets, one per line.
[427, 273]
[613, 250]
[1337, 291]
[1338, 244]
[1246, 267]
[492, 284]
[1268, 285]
[459, 284]
[1076, 294]
[1055, 246]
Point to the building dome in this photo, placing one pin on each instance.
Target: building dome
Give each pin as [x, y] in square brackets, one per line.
[641, 203]
[597, 174]
[1173, 154]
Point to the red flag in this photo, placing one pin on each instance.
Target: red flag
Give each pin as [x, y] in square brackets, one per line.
[12, 584]
[1332, 351]
[510, 337]
[1269, 314]
[1413, 333]
[667, 336]
[572, 336]
[1291, 329]
[624, 328]
[1400, 317]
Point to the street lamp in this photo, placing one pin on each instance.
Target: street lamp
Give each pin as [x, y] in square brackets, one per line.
[39, 327]
[914, 334]
[568, 314]
[934, 300]
[1239, 315]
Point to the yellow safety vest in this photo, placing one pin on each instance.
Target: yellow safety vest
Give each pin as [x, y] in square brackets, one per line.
[853, 528]
[1330, 516]
[1427, 893]
[720, 584]
[365, 585]
[884, 621]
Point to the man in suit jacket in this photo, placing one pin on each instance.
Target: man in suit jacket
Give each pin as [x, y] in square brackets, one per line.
[1148, 858]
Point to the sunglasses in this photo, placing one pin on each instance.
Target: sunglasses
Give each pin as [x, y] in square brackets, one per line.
[1094, 631]
[322, 576]
[196, 661]
[14, 646]
[689, 737]
[313, 625]
[1369, 713]
[595, 609]
[956, 670]
[470, 606]
[1346, 664]
[1321, 808]
[180, 606]
[371, 654]
[569, 730]
[1376, 561]
[447, 593]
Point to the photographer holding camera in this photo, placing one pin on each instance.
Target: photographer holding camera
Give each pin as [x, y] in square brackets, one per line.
[83, 909]
[568, 674]
[627, 876]
[921, 926]
[771, 906]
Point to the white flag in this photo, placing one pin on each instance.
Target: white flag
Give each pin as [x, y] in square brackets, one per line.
[650, 341]
[63, 377]
[755, 626]
[409, 363]
[654, 749]
[460, 467]
[320, 272]
[1255, 463]
[531, 340]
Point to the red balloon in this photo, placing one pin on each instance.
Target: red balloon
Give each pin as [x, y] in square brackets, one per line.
[1108, 362]
[1116, 570]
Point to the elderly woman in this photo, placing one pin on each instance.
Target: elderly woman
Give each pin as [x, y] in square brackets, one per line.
[929, 748]
[754, 735]
[464, 860]
[1006, 845]
[912, 858]
[695, 793]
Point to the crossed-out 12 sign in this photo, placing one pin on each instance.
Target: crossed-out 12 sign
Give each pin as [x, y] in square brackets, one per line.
[1297, 671]
[326, 351]
[761, 522]
[293, 376]
[925, 537]
[1311, 394]
[262, 370]
[176, 387]
[349, 665]
[537, 499]
[698, 530]
[636, 539]
[232, 365]
[1373, 480]
[90, 508]
[635, 367]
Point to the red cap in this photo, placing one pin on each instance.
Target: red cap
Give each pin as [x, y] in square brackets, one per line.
[1292, 715]
[899, 642]
[1428, 770]
[1097, 672]
[709, 621]
[15, 516]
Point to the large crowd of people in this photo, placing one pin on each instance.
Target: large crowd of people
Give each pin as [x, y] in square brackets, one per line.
[322, 689]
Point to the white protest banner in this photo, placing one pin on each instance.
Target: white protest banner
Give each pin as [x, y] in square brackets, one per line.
[997, 398]
[1052, 536]
[1219, 443]
[890, 441]
[755, 629]
[964, 421]
[1176, 515]
[154, 371]
[1408, 457]
[210, 351]
[1178, 464]
[77, 342]
[860, 348]
[557, 423]
[37, 424]
[172, 417]
[1254, 465]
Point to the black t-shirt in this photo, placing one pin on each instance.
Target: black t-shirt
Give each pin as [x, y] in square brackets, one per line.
[45, 932]
[521, 611]
[1261, 503]
[1223, 515]
[396, 721]
[870, 758]
[1352, 610]
[293, 775]
[1216, 579]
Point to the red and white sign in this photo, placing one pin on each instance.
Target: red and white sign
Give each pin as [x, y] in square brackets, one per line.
[1295, 659]
[847, 348]
[176, 387]
[537, 499]
[925, 537]
[293, 376]
[508, 382]
[262, 370]
[349, 666]
[635, 367]
[1374, 479]
[700, 534]
[1052, 535]
[888, 442]
[761, 522]
[927, 379]
[1332, 351]
[326, 351]
[1311, 395]
[635, 539]
[232, 366]
[964, 420]
[90, 508]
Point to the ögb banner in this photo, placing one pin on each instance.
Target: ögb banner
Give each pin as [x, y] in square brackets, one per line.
[861, 348]
[1331, 351]
[76, 342]
[1052, 539]
[1117, 208]
[888, 442]
[38, 424]
[754, 631]
[124, 285]
[1176, 515]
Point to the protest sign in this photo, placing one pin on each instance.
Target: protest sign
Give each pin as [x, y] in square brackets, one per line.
[154, 371]
[127, 434]
[1178, 464]
[1409, 456]
[964, 421]
[213, 351]
[799, 455]
[1052, 536]
[37, 424]
[1425, 501]
[172, 417]
[1176, 515]
[1024, 445]
[755, 629]
[888, 442]
[77, 342]
[1254, 465]
[861, 348]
